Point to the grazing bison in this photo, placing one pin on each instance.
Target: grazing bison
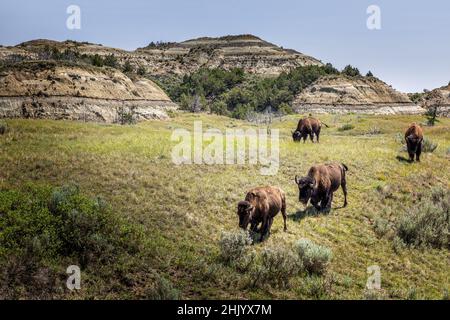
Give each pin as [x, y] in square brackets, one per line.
[307, 126]
[320, 183]
[414, 139]
[261, 205]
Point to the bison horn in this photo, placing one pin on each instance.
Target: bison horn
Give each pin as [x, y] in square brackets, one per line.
[296, 180]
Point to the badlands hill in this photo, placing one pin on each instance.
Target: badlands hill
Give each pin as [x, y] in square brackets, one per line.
[243, 51]
[162, 61]
[342, 94]
[441, 96]
[62, 90]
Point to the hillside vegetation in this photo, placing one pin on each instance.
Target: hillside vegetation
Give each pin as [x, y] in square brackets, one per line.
[109, 199]
[238, 94]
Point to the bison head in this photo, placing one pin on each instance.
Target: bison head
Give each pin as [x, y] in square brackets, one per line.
[245, 212]
[297, 135]
[305, 188]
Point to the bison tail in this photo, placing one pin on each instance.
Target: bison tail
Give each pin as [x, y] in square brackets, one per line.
[345, 167]
[325, 124]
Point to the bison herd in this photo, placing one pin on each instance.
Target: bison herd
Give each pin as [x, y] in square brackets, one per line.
[262, 204]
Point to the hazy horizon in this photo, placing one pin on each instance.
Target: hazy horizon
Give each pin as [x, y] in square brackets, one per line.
[409, 52]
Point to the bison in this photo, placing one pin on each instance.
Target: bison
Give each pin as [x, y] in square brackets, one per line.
[320, 184]
[307, 126]
[261, 205]
[414, 139]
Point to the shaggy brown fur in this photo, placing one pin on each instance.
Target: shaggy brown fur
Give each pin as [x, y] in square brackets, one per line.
[261, 205]
[414, 139]
[320, 184]
[307, 126]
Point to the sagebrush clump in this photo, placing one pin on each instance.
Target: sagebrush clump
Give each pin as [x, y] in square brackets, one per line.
[162, 289]
[43, 230]
[315, 258]
[374, 131]
[233, 245]
[428, 223]
[277, 266]
[346, 127]
[428, 145]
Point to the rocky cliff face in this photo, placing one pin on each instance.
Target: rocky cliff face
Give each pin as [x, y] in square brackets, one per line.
[68, 91]
[441, 96]
[245, 51]
[341, 94]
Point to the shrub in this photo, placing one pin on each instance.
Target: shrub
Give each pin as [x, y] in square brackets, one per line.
[382, 226]
[127, 67]
[3, 128]
[233, 245]
[97, 60]
[126, 116]
[374, 131]
[400, 138]
[428, 223]
[43, 229]
[431, 115]
[315, 258]
[277, 266]
[110, 61]
[162, 289]
[428, 145]
[316, 287]
[351, 71]
[346, 127]
[141, 71]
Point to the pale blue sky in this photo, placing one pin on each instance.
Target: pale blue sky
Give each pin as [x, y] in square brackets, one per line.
[411, 51]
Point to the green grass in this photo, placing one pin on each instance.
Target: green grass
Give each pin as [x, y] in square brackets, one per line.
[184, 209]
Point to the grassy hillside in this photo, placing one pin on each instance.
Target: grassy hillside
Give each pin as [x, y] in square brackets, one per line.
[181, 211]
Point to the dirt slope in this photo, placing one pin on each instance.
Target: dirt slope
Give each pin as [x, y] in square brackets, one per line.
[70, 91]
[341, 94]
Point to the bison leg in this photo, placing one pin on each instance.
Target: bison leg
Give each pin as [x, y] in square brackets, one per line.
[265, 228]
[344, 189]
[304, 137]
[418, 151]
[325, 202]
[315, 203]
[254, 227]
[311, 136]
[329, 201]
[283, 212]
[270, 225]
[317, 135]
[411, 152]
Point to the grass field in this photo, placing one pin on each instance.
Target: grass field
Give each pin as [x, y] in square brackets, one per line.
[183, 210]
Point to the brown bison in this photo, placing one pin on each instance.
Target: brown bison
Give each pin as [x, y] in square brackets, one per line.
[261, 205]
[320, 183]
[307, 126]
[414, 139]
